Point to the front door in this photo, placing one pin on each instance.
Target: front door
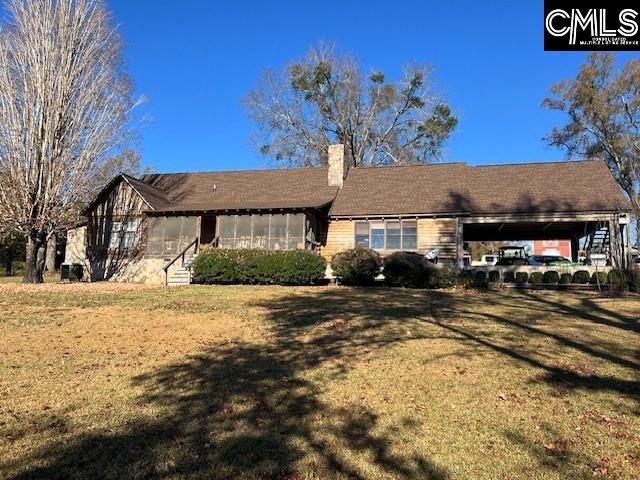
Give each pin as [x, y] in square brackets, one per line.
[207, 229]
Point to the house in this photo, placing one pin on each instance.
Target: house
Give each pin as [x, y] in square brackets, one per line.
[149, 229]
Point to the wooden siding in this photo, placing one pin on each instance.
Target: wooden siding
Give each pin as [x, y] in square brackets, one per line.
[119, 203]
[433, 234]
[340, 236]
[441, 234]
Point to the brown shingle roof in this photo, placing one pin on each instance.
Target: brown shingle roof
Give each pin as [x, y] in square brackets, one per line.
[453, 188]
[461, 189]
[242, 190]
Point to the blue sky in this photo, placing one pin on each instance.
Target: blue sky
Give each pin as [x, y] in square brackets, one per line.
[196, 59]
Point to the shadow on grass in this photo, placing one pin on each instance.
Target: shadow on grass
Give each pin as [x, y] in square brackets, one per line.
[246, 410]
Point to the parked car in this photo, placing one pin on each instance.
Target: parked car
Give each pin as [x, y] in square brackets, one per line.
[635, 263]
[487, 260]
[508, 256]
[549, 260]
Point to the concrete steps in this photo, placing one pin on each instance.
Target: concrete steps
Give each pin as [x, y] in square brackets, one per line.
[182, 276]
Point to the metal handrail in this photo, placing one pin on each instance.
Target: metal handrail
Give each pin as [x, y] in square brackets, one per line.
[214, 243]
[182, 255]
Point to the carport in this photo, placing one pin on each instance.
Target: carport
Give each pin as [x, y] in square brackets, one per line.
[604, 232]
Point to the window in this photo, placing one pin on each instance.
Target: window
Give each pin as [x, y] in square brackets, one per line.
[123, 234]
[129, 230]
[362, 235]
[377, 235]
[387, 235]
[283, 231]
[409, 235]
[115, 238]
[393, 236]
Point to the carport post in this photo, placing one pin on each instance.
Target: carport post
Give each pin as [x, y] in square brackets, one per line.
[575, 247]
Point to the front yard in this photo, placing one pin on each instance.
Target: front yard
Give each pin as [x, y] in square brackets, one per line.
[123, 381]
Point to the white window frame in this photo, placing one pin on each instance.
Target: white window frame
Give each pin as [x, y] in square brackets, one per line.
[123, 234]
[370, 224]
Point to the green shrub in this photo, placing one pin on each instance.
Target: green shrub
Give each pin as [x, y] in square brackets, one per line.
[634, 281]
[536, 278]
[581, 277]
[406, 269]
[551, 276]
[480, 279]
[494, 276]
[598, 278]
[522, 277]
[618, 278]
[566, 279]
[357, 266]
[465, 279]
[265, 267]
[509, 277]
[441, 277]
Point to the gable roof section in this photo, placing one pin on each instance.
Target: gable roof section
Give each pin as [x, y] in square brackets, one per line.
[155, 198]
[151, 196]
[460, 189]
[242, 190]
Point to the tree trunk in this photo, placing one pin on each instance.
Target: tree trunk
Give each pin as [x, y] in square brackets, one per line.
[52, 254]
[34, 262]
[9, 261]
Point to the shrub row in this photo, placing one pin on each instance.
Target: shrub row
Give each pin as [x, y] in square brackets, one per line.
[624, 279]
[259, 267]
[361, 266]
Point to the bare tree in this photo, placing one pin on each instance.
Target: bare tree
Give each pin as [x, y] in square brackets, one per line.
[326, 99]
[603, 106]
[64, 106]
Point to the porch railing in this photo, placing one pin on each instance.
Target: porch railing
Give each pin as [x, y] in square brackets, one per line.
[182, 255]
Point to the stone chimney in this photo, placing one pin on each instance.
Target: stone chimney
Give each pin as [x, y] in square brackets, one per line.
[338, 166]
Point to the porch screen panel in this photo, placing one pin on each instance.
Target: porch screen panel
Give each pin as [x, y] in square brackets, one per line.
[295, 231]
[189, 232]
[278, 232]
[268, 231]
[155, 238]
[243, 231]
[260, 231]
[227, 230]
[172, 234]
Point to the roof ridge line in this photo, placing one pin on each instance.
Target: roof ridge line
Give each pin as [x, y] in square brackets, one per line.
[540, 162]
[250, 170]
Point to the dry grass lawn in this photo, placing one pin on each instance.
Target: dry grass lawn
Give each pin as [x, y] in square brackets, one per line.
[111, 381]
